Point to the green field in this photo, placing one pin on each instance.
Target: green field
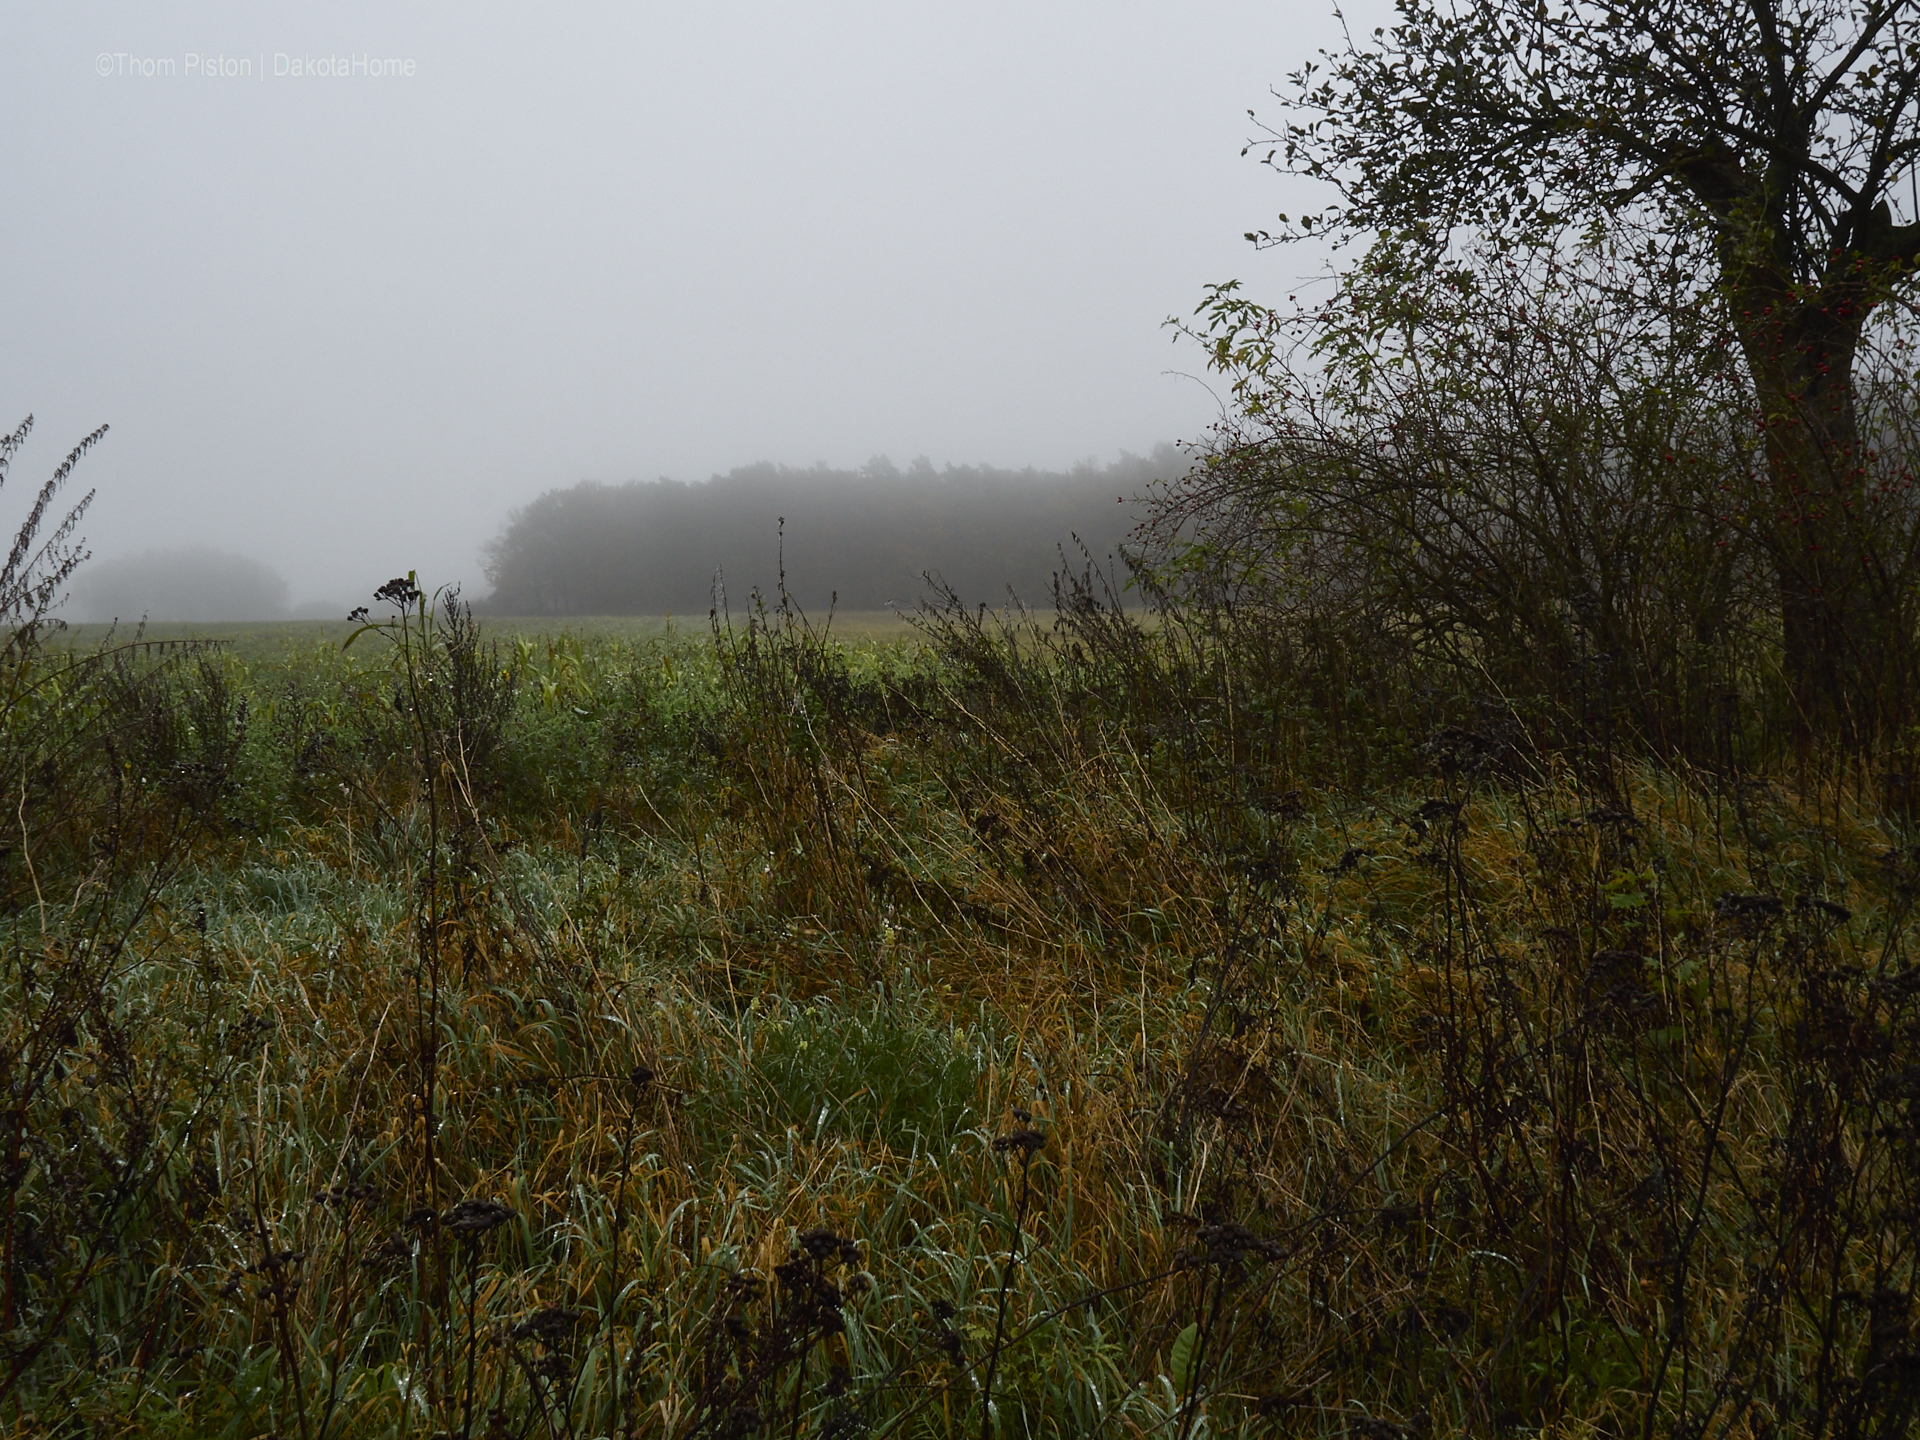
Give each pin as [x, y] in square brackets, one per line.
[265, 639]
[609, 1031]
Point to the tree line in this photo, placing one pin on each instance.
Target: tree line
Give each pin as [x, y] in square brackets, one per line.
[864, 539]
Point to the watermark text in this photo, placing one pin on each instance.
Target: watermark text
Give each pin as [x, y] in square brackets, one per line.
[275, 65]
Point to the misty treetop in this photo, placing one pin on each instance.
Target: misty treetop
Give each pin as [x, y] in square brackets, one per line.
[869, 536]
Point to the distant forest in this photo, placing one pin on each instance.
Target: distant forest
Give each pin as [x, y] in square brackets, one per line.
[869, 536]
[197, 583]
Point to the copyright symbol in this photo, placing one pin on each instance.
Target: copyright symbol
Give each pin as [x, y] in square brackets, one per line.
[103, 63]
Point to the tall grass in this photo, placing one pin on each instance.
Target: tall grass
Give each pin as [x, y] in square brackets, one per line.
[1035, 1031]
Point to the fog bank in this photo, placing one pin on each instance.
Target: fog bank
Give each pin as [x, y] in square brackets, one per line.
[195, 583]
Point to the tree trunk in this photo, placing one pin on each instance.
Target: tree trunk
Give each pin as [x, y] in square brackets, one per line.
[1801, 355]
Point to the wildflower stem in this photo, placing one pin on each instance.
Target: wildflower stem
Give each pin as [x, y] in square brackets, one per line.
[1000, 1313]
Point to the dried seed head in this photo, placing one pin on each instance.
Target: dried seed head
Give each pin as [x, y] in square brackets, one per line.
[399, 591]
[357, 1192]
[1027, 1142]
[549, 1326]
[821, 1243]
[1826, 909]
[1227, 1247]
[476, 1217]
[396, 1249]
[1750, 909]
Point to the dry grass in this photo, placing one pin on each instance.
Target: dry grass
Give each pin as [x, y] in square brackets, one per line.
[738, 973]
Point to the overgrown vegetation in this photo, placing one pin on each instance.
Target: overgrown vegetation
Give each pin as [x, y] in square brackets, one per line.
[1035, 1031]
[1444, 968]
[1539, 477]
[1613, 418]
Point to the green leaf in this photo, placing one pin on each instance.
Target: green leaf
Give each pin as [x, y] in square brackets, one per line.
[1180, 1358]
[347, 644]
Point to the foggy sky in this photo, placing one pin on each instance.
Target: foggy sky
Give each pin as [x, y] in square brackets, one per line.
[345, 325]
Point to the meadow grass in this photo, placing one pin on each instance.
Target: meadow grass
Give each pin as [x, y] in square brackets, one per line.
[608, 1032]
[270, 640]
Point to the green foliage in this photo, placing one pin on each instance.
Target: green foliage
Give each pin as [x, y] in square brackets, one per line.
[1771, 130]
[877, 1072]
